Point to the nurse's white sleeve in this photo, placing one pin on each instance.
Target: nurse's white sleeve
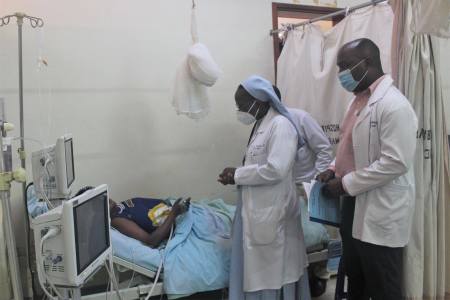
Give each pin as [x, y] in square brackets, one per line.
[398, 145]
[282, 148]
[318, 142]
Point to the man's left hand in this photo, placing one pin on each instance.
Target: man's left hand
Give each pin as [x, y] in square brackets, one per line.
[333, 188]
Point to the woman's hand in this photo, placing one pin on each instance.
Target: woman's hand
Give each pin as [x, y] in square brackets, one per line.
[227, 176]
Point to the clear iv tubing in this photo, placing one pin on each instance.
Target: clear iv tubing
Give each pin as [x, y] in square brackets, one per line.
[41, 182]
[45, 166]
[41, 65]
[29, 139]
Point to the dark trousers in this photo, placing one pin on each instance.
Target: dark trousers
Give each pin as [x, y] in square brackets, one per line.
[373, 271]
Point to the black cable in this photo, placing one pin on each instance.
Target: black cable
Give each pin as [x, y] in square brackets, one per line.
[33, 288]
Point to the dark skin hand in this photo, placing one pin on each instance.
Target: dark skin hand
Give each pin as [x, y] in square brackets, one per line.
[333, 188]
[227, 176]
[153, 239]
[325, 176]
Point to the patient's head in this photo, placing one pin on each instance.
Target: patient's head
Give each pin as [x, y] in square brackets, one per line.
[83, 189]
[112, 204]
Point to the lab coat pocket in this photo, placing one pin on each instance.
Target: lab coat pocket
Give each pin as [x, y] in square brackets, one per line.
[258, 154]
[264, 225]
[391, 206]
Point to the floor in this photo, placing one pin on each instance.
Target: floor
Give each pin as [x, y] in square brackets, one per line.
[329, 294]
[217, 295]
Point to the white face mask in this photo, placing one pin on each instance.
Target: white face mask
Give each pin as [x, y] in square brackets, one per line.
[246, 117]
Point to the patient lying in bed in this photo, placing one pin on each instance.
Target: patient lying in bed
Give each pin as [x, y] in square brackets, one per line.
[145, 219]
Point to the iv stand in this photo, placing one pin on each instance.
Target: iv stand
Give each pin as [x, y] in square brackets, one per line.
[34, 22]
[6, 176]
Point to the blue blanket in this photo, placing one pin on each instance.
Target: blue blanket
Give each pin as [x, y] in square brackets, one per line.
[197, 258]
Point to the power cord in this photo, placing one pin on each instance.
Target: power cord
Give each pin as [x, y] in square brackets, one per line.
[33, 287]
[42, 184]
[158, 273]
[52, 232]
[112, 276]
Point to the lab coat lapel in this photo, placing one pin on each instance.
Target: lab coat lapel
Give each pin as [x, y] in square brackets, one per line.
[263, 126]
[377, 95]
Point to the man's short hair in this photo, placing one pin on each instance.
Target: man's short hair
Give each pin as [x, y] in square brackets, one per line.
[367, 49]
[82, 190]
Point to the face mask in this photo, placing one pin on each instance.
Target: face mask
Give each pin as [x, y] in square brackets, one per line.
[346, 78]
[246, 117]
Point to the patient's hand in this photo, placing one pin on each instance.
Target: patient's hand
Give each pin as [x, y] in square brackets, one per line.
[180, 207]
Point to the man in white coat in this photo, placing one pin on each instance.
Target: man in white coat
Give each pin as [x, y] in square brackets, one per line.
[373, 171]
[268, 258]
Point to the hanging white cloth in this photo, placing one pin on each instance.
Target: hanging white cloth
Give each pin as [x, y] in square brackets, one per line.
[196, 72]
[307, 71]
[431, 17]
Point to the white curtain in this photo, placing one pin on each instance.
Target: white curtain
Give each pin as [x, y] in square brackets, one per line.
[427, 256]
[5, 283]
[431, 17]
[307, 71]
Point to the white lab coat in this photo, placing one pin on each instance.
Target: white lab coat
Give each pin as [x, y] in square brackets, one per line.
[384, 143]
[316, 155]
[274, 250]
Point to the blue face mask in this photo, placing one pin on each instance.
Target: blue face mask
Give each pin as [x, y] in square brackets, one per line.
[346, 78]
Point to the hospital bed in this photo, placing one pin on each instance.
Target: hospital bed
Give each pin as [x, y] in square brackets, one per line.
[195, 260]
[136, 264]
[139, 290]
[137, 258]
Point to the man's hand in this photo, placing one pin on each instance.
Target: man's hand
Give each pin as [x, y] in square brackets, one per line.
[325, 176]
[180, 207]
[333, 188]
[227, 176]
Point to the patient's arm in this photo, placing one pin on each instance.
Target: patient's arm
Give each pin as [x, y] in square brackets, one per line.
[153, 239]
[133, 230]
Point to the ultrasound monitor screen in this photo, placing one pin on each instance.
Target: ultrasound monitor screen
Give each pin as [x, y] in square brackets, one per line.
[70, 172]
[91, 230]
